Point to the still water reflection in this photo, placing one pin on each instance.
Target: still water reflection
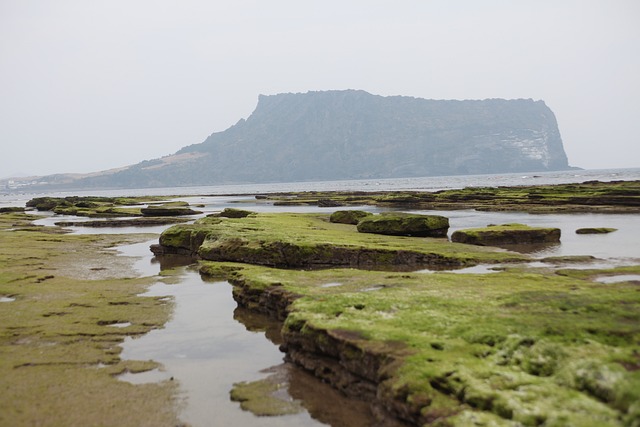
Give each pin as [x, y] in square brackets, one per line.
[210, 344]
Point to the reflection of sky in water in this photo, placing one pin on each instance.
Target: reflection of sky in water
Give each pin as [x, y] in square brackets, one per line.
[207, 351]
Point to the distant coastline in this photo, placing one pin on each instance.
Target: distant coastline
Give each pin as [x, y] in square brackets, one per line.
[431, 183]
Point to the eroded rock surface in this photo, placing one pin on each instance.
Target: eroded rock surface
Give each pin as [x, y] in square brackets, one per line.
[398, 224]
[506, 234]
[352, 217]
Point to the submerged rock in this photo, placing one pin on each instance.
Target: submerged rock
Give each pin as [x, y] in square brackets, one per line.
[506, 234]
[397, 224]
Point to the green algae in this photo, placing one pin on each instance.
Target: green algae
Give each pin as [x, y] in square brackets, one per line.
[590, 196]
[348, 216]
[60, 352]
[261, 397]
[295, 240]
[596, 230]
[108, 207]
[504, 234]
[401, 224]
[527, 348]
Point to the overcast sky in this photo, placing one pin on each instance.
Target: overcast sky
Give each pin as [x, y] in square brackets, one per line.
[88, 85]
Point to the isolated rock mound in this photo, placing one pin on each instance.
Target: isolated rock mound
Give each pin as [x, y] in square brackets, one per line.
[398, 224]
[348, 217]
[233, 213]
[596, 230]
[506, 234]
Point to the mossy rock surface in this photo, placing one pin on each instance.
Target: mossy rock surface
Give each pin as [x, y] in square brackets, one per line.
[92, 206]
[591, 196]
[11, 209]
[596, 230]
[398, 224]
[507, 348]
[305, 240]
[168, 210]
[233, 213]
[506, 234]
[352, 217]
[59, 357]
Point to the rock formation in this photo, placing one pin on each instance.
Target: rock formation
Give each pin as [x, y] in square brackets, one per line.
[355, 135]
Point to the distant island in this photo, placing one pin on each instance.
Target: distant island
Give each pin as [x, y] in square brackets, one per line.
[352, 134]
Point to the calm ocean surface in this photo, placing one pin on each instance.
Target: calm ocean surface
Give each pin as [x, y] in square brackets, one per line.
[392, 184]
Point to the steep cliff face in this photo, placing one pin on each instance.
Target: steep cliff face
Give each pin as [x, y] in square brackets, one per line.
[353, 134]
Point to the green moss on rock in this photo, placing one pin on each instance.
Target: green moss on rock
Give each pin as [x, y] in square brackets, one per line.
[506, 234]
[598, 230]
[348, 216]
[304, 240]
[398, 224]
[513, 348]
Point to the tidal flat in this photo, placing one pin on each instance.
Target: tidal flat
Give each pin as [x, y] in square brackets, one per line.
[530, 341]
[59, 349]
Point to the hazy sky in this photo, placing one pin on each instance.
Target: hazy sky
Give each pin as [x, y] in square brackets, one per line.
[88, 85]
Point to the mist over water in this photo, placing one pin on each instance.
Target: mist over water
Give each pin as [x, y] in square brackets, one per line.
[433, 183]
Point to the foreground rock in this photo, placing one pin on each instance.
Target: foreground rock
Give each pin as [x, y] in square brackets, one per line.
[509, 348]
[506, 234]
[398, 224]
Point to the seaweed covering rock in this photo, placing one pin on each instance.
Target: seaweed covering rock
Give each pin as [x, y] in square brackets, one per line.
[597, 230]
[506, 234]
[168, 211]
[397, 224]
[232, 213]
[348, 216]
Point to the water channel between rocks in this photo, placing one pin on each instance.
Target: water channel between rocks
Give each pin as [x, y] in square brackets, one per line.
[210, 344]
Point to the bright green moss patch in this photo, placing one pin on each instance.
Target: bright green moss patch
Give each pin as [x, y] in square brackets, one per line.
[513, 347]
[506, 234]
[302, 240]
[348, 216]
[401, 224]
[60, 350]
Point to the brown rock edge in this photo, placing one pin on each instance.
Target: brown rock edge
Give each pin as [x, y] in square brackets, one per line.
[340, 358]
